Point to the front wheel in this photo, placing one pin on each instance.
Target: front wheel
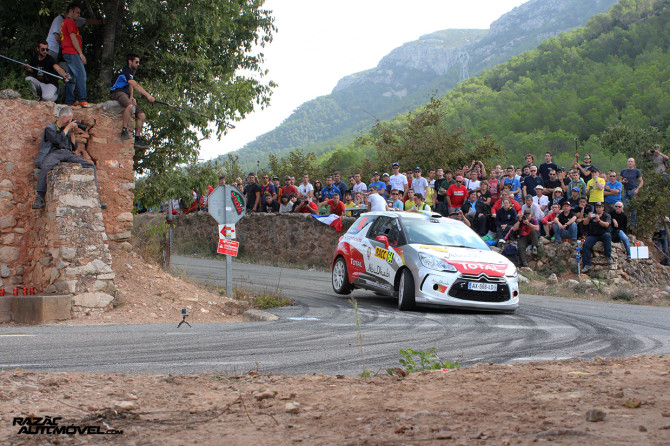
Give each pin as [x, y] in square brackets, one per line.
[406, 291]
[340, 277]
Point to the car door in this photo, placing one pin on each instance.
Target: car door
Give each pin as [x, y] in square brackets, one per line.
[383, 260]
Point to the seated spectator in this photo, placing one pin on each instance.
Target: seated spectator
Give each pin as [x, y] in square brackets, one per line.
[552, 183]
[620, 226]
[598, 224]
[573, 199]
[498, 204]
[529, 234]
[485, 196]
[293, 198]
[582, 212]
[375, 201]
[541, 200]
[557, 197]
[475, 212]
[396, 201]
[360, 201]
[534, 209]
[458, 215]
[349, 202]
[335, 205]
[565, 226]
[419, 204]
[612, 191]
[269, 205]
[409, 202]
[306, 207]
[548, 221]
[286, 205]
[505, 219]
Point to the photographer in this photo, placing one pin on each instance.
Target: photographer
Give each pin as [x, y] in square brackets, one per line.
[659, 159]
[529, 230]
[58, 146]
[458, 215]
[306, 207]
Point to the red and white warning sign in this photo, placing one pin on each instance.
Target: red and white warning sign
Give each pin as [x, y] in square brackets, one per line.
[227, 231]
[228, 247]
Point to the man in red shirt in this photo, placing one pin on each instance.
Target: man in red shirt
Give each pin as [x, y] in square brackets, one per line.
[73, 54]
[306, 207]
[336, 205]
[456, 195]
[289, 188]
[498, 204]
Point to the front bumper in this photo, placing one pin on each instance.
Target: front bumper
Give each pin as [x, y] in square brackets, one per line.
[436, 288]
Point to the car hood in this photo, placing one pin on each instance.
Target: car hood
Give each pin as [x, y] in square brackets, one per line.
[467, 260]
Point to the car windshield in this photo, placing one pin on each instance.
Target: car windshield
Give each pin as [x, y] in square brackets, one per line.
[432, 232]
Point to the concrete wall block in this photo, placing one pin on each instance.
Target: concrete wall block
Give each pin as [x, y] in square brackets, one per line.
[40, 308]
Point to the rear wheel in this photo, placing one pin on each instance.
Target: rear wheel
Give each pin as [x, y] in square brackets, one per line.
[340, 278]
[406, 291]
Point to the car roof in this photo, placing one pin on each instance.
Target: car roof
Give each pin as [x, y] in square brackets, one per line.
[412, 216]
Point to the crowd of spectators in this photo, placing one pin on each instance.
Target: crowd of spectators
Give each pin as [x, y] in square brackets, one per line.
[580, 204]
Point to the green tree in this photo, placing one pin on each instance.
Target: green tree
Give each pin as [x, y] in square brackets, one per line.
[296, 164]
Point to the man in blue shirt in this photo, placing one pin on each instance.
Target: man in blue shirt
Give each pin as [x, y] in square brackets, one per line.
[330, 189]
[632, 181]
[514, 182]
[381, 186]
[612, 191]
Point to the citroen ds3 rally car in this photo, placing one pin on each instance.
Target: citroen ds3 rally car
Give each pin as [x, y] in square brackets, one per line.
[423, 260]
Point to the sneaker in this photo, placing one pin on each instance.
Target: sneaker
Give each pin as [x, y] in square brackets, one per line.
[84, 104]
[39, 202]
[124, 133]
[609, 260]
[501, 241]
[629, 258]
[103, 205]
[535, 250]
[140, 144]
[586, 268]
[37, 91]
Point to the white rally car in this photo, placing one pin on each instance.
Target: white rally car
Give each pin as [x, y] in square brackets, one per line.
[426, 260]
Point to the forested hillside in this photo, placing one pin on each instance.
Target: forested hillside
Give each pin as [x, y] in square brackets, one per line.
[614, 71]
[407, 76]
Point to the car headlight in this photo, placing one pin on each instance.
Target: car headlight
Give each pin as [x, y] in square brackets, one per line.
[435, 263]
[511, 270]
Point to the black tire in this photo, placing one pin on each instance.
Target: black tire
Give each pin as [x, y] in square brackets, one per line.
[406, 291]
[340, 277]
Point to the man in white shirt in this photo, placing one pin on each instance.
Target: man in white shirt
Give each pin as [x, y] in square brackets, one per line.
[375, 201]
[473, 182]
[398, 180]
[306, 189]
[419, 183]
[359, 186]
[540, 199]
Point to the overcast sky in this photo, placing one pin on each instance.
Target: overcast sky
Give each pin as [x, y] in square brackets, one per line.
[318, 42]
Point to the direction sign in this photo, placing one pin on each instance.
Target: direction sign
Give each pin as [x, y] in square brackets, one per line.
[226, 204]
[228, 247]
[227, 231]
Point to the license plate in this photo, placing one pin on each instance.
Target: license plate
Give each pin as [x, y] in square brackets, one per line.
[479, 286]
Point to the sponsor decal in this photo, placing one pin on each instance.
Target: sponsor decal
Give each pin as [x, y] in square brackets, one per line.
[434, 248]
[355, 263]
[361, 223]
[369, 252]
[237, 202]
[379, 271]
[32, 425]
[384, 255]
[442, 288]
[489, 269]
[401, 254]
[351, 238]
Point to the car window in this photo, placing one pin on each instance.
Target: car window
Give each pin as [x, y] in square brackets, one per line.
[359, 224]
[388, 226]
[432, 232]
[377, 227]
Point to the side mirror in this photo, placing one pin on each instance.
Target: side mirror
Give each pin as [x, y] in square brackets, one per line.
[384, 240]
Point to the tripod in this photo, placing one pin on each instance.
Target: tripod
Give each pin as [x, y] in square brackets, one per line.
[183, 321]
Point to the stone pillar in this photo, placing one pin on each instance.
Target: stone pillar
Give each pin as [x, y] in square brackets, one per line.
[75, 257]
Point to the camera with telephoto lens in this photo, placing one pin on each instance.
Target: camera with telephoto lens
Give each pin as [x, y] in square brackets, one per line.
[82, 127]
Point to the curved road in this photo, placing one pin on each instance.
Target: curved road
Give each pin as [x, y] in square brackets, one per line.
[319, 333]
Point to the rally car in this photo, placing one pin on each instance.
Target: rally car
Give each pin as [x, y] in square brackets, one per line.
[425, 260]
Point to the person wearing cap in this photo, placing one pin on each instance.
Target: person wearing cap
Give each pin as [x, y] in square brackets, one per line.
[620, 226]
[398, 180]
[595, 188]
[598, 224]
[565, 224]
[574, 198]
[278, 189]
[456, 195]
[419, 183]
[529, 234]
[531, 181]
[387, 185]
[612, 191]
[252, 193]
[541, 200]
[547, 166]
[381, 187]
[329, 189]
[289, 188]
[583, 169]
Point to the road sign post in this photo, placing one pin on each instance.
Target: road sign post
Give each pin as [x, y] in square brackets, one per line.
[227, 206]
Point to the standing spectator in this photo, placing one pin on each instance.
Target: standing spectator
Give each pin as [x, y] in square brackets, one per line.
[252, 193]
[612, 191]
[632, 181]
[530, 160]
[338, 183]
[620, 226]
[419, 183]
[317, 190]
[288, 188]
[387, 185]
[270, 205]
[267, 188]
[494, 185]
[431, 178]
[456, 195]
[44, 86]
[440, 192]
[659, 159]
[286, 205]
[596, 187]
[381, 187]
[585, 169]
[349, 202]
[375, 201]
[330, 189]
[475, 211]
[505, 219]
[54, 37]
[305, 189]
[120, 91]
[222, 180]
[529, 235]
[359, 186]
[565, 224]
[577, 182]
[398, 180]
[552, 183]
[278, 189]
[513, 182]
[396, 201]
[598, 224]
[410, 177]
[73, 53]
[531, 181]
[473, 183]
[541, 200]
[546, 167]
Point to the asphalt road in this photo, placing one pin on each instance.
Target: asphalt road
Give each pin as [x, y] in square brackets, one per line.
[319, 333]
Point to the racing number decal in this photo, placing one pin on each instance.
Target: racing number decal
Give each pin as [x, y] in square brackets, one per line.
[384, 255]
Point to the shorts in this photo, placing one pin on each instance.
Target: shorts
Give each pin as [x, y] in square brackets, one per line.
[123, 99]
